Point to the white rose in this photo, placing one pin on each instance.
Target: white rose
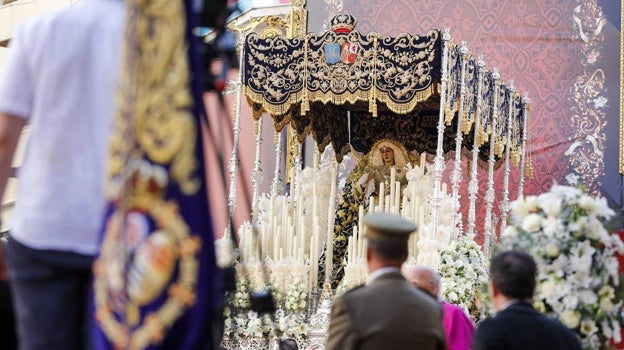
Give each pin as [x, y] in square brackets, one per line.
[552, 226]
[510, 231]
[606, 291]
[617, 336]
[552, 250]
[551, 206]
[539, 306]
[521, 207]
[570, 301]
[594, 228]
[588, 327]
[587, 202]
[612, 266]
[588, 297]
[570, 318]
[602, 208]
[453, 296]
[606, 329]
[532, 223]
[548, 288]
[606, 305]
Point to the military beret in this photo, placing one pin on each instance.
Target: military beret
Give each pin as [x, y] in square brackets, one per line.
[386, 226]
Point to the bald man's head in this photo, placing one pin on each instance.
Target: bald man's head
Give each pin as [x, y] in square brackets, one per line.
[424, 278]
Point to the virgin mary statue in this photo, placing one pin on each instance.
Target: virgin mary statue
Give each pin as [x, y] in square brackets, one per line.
[363, 184]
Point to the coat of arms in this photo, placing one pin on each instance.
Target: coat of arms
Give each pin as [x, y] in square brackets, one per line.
[349, 52]
[332, 53]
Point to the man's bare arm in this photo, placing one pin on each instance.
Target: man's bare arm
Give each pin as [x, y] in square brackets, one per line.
[10, 131]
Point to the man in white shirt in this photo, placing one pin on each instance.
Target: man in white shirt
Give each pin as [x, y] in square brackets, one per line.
[60, 78]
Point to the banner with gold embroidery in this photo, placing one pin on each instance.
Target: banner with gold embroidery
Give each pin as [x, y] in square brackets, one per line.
[342, 66]
[156, 285]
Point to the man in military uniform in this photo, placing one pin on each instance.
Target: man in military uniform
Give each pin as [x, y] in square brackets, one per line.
[387, 313]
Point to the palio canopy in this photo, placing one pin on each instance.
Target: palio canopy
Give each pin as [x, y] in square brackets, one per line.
[391, 87]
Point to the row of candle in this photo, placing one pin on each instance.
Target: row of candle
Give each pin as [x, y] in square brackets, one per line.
[286, 235]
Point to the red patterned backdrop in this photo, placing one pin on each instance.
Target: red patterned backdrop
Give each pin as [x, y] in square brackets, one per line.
[559, 52]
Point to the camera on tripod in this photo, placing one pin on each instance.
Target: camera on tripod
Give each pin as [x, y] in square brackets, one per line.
[219, 42]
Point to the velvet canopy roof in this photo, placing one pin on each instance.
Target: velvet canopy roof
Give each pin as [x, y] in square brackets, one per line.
[342, 85]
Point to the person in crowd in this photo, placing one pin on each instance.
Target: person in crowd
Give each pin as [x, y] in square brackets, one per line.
[387, 313]
[8, 338]
[59, 77]
[458, 327]
[288, 344]
[517, 325]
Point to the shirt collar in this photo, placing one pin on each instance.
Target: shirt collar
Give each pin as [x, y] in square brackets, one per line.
[381, 271]
[510, 302]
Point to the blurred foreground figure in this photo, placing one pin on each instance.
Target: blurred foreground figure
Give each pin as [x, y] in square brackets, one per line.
[156, 284]
[59, 77]
[387, 313]
[517, 325]
[458, 327]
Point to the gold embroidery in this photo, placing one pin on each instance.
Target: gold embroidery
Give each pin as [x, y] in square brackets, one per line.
[155, 101]
[179, 248]
[396, 71]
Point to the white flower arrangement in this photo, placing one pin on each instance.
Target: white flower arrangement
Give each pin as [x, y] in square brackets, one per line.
[240, 322]
[464, 274]
[578, 277]
[292, 325]
[290, 296]
[296, 297]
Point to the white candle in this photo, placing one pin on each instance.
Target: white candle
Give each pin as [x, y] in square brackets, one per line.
[301, 244]
[421, 219]
[361, 244]
[329, 241]
[314, 206]
[397, 200]
[382, 196]
[371, 204]
[356, 243]
[350, 249]
[285, 216]
[313, 260]
[392, 188]
[299, 209]
[423, 162]
[414, 203]
[360, 218]
[276, 243]
[310, 272]
[316, 159]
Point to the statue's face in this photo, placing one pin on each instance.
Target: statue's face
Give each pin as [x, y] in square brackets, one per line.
[387, 154]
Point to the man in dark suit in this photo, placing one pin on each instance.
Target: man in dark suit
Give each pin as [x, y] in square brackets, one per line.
[387, 313]
[517, 325]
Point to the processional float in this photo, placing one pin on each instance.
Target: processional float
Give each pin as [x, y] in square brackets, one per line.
[349, 90]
